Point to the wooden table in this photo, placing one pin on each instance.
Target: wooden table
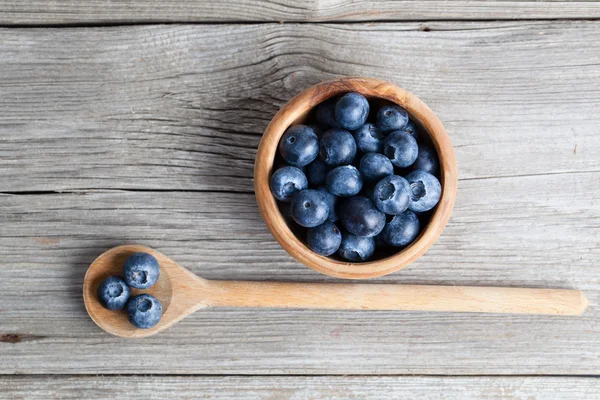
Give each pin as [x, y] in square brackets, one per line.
[118, 128]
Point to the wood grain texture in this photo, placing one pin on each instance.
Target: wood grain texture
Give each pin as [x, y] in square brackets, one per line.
[162, 107]
[181, 293]
[534, 237]
[299, 388]
[165, 110]
[127, 11]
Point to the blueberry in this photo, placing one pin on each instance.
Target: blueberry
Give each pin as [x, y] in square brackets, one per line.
[427, 160]
[411, 128]
[141, 270]
[352, 110]
[331, 202]
[401, 148]
[316, 172]
[299, 145]
[309, 208]
[368, 138]
[391, 117]
[144, 311]
[337, 147]
[375, 166]
[392, 194]
[356, 248]
[326, 114]
[426, 190]
[344, 181]
[402, 229]
[324, 239]
[286, 182]
[113, 293]
[360, 217]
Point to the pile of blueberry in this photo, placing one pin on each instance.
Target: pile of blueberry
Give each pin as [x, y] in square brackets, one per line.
[140, 271]
[374, 174]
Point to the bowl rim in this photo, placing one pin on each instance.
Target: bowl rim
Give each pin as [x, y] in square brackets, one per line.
[298, 107]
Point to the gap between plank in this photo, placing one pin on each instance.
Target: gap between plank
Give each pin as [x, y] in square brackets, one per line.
[100, 190]
[108, 189]
[296, 22]
[296, 375]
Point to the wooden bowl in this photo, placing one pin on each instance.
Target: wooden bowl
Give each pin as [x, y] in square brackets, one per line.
[294, 112]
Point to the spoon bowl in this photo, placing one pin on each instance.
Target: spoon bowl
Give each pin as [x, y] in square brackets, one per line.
[181, 292]
[178, 290]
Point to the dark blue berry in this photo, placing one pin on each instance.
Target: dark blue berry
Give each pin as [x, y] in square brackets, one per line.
[391, 117]
[352, 110]
[360, 217]
[326, 114]
[344, 181]
[141, 270]
[356, 248]
[402, 229]
[316, 172]
[412, 129]
[331, 202]
[427, 160]
[426, 190]
[309, 208]
[368, 138]
[113, 293]
[392, 194]
[144, 311]
[375, 166]
[299, 145]
[286, 182]
[324, 239]
[401, 148]
[337, 147]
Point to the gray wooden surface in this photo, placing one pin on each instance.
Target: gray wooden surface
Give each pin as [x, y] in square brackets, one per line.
[35, 12]
[163, 107]
[322, 388]
[147, 134]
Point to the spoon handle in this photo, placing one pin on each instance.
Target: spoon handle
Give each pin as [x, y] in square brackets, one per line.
[396, 297]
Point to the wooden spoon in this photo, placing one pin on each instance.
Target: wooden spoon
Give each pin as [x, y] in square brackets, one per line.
[181, 292]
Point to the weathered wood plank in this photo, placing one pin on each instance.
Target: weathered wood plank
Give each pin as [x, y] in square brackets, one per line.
[532, 231]
[163, 107]
[128, 11]
[298, 387]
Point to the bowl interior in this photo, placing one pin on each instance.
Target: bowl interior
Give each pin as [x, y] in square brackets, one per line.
[299, 110]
